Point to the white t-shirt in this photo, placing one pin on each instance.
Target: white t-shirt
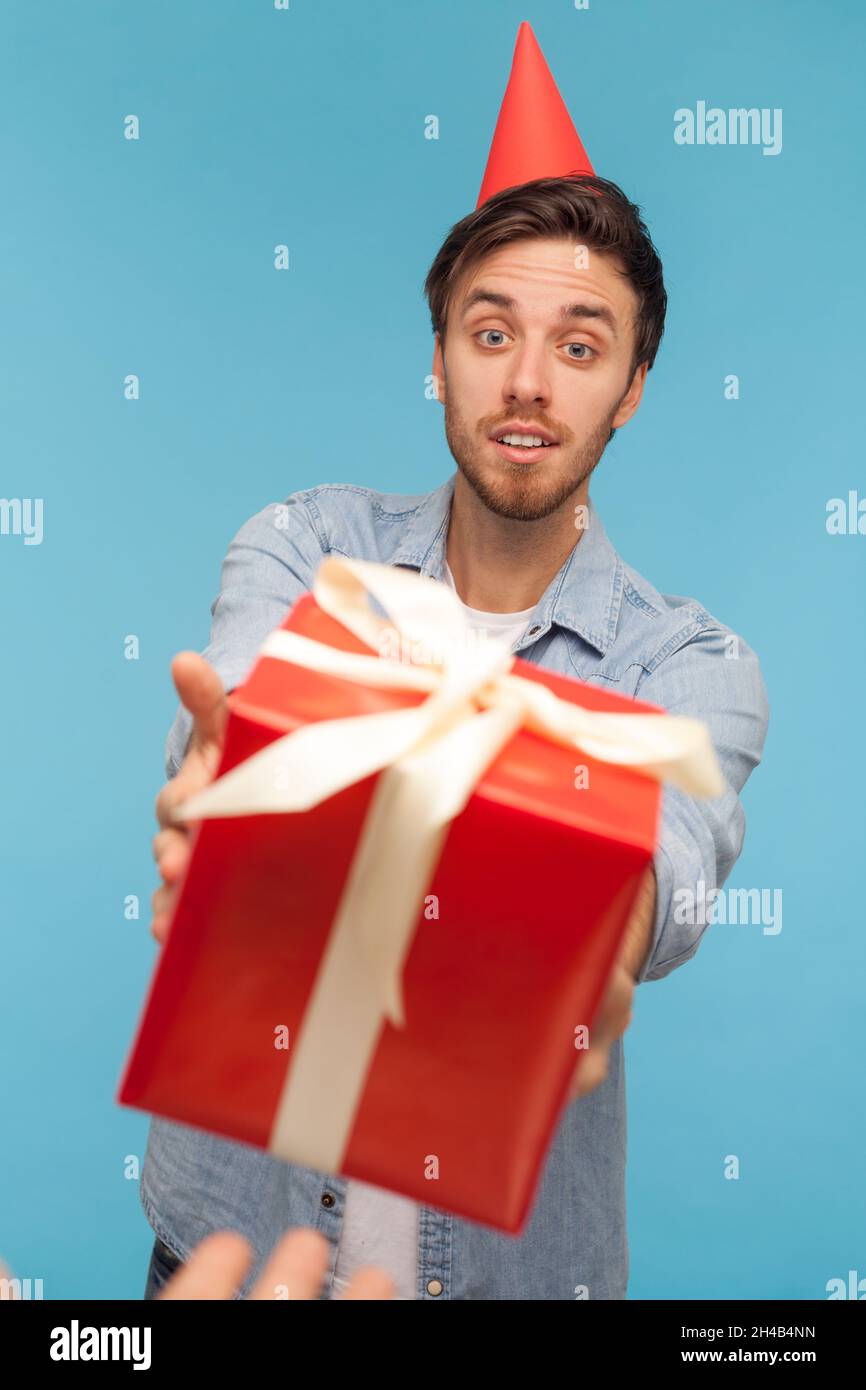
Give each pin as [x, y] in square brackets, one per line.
[379, 1227]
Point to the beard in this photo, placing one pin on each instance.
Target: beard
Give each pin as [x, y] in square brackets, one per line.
[523, 491]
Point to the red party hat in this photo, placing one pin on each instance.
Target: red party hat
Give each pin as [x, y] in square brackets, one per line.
[535, 137]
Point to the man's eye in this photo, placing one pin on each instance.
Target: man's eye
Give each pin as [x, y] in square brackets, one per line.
[585, 351]
[490, 330]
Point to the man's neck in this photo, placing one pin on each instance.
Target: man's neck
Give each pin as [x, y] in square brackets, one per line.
[501, 565]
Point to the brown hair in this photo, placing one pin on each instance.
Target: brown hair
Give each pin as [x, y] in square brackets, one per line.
[592, 210]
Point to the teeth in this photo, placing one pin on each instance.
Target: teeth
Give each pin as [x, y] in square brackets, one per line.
[526, 441]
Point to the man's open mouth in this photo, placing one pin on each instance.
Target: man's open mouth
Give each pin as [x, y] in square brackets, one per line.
[523, 445]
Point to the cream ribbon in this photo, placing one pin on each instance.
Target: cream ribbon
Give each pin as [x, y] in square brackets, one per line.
[431, 757]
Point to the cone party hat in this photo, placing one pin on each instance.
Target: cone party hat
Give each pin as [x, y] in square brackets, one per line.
[535, 137]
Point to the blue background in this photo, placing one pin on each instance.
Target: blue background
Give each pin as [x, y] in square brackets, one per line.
[155, 257]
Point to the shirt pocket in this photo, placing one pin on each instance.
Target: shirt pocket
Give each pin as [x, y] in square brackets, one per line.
[610, 672]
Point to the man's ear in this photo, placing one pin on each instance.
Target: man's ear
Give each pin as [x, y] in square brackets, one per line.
[631, 400]
[439, 368]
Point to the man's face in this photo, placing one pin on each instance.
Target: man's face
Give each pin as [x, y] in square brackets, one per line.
[514, 358]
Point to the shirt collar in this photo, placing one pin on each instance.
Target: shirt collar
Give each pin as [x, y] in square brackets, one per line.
[585, 595]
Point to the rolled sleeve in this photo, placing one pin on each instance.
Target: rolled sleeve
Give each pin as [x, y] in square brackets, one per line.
[269, 563]
[700, 840]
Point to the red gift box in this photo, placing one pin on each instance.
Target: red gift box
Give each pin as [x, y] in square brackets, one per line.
[514, 940]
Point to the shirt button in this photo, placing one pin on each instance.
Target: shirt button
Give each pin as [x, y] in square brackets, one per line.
[535, 628]
[328, 1199]
[434, 1286]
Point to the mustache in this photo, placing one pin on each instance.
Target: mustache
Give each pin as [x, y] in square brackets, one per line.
[540, 426]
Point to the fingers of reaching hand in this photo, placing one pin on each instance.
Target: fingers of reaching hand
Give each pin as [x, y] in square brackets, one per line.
[214, 1270]
[295, 1267]
[295, 1270]
[369, 1284]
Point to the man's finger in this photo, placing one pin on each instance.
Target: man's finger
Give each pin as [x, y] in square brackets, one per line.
[369, 1284]
[590, 1072]
[214, 1270]
[171, 852]
[195, 774]
[201, 692]
[295, 1268]
[159, 927]
[611, 1025]
[615, 1011]
[162, 899]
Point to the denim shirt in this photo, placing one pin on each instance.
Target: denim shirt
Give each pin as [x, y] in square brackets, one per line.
[600, 621]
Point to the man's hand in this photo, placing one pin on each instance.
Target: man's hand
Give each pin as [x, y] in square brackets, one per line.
[201, 692]
[614, 1016]
[615, 1010]
[294, 1271]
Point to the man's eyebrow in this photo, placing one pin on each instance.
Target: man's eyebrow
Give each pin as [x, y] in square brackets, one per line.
[567, 312]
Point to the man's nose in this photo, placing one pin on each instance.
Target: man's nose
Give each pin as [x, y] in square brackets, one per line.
[527, 380]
